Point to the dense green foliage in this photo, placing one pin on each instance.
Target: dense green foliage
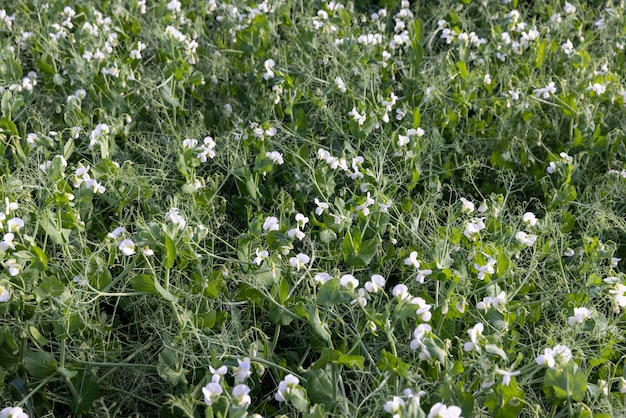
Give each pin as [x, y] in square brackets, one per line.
[309, 208]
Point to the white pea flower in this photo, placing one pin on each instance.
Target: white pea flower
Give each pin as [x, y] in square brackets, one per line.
[5, 294]
[269, 69]
[529, 219]
[299, 261]
[360, 299]
[475, 333]
[15, 224]
[376, 284]
[13, 412]
[486, 269]
[117, 232]
[360, 119]
[412, 260]
[295, 232]
[271, 224]
[401, 292]
[321, 206]
[568, 252]
[285, 386]
[301, 220]
[322, 277]
[569, 8]
[275, 156]
[10, 206]
[419, 334]
[176, 218]
[506, 375]
[240, 395]
[349, 281]
[394, 406]
[12, 265]
[473, 227]
[526, 239]
[568, 47]
[127, 247]
[340, 85]
[211, 392]
[440, 410]
[545, 91]
[243, 370]
[423, 309]
[7, 242]
[560, 355]
[580, 315]
[260, 257]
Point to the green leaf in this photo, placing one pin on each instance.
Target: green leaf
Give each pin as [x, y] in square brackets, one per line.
[506, 400]
[298, 399]
[463, 73]
[358, 254]
[163, 292]
[49, 286]
[320, 329]
[321, 387]
[166, 94]
[143, 283]
[169, 368]
[389, 362]
[436, 349]
[40, 364]
[87, 391]
[316, 411]
[170, 251]
[569, 383]
[330, 294]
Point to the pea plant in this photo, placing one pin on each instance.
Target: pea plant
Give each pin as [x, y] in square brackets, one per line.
[296, 208]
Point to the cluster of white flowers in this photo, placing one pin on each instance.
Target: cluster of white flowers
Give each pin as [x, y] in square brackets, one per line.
[174, 216]
[546, 91]
[485, 269]
[260, 132]
[189, 42]
[353, 171]
[78, 96]
[497, 302]
[99, 132]
[359, 118]
[580, 316]
[240, 393]
[341, 86]
[413, 261]
[275, 156]
[135, 54]
[404, 140]
[47, 165]
[28, 83]
[401, 292]
[370, 39]
[299, 261]
[558, 356]
[204, 150]
[296, 232]
[81, 176]
[269, 69]
[473, 227]
[554, 165]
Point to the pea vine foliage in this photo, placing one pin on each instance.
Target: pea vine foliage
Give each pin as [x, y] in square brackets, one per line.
[291, 208]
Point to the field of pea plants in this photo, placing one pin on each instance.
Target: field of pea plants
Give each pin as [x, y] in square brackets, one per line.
[234, 208]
